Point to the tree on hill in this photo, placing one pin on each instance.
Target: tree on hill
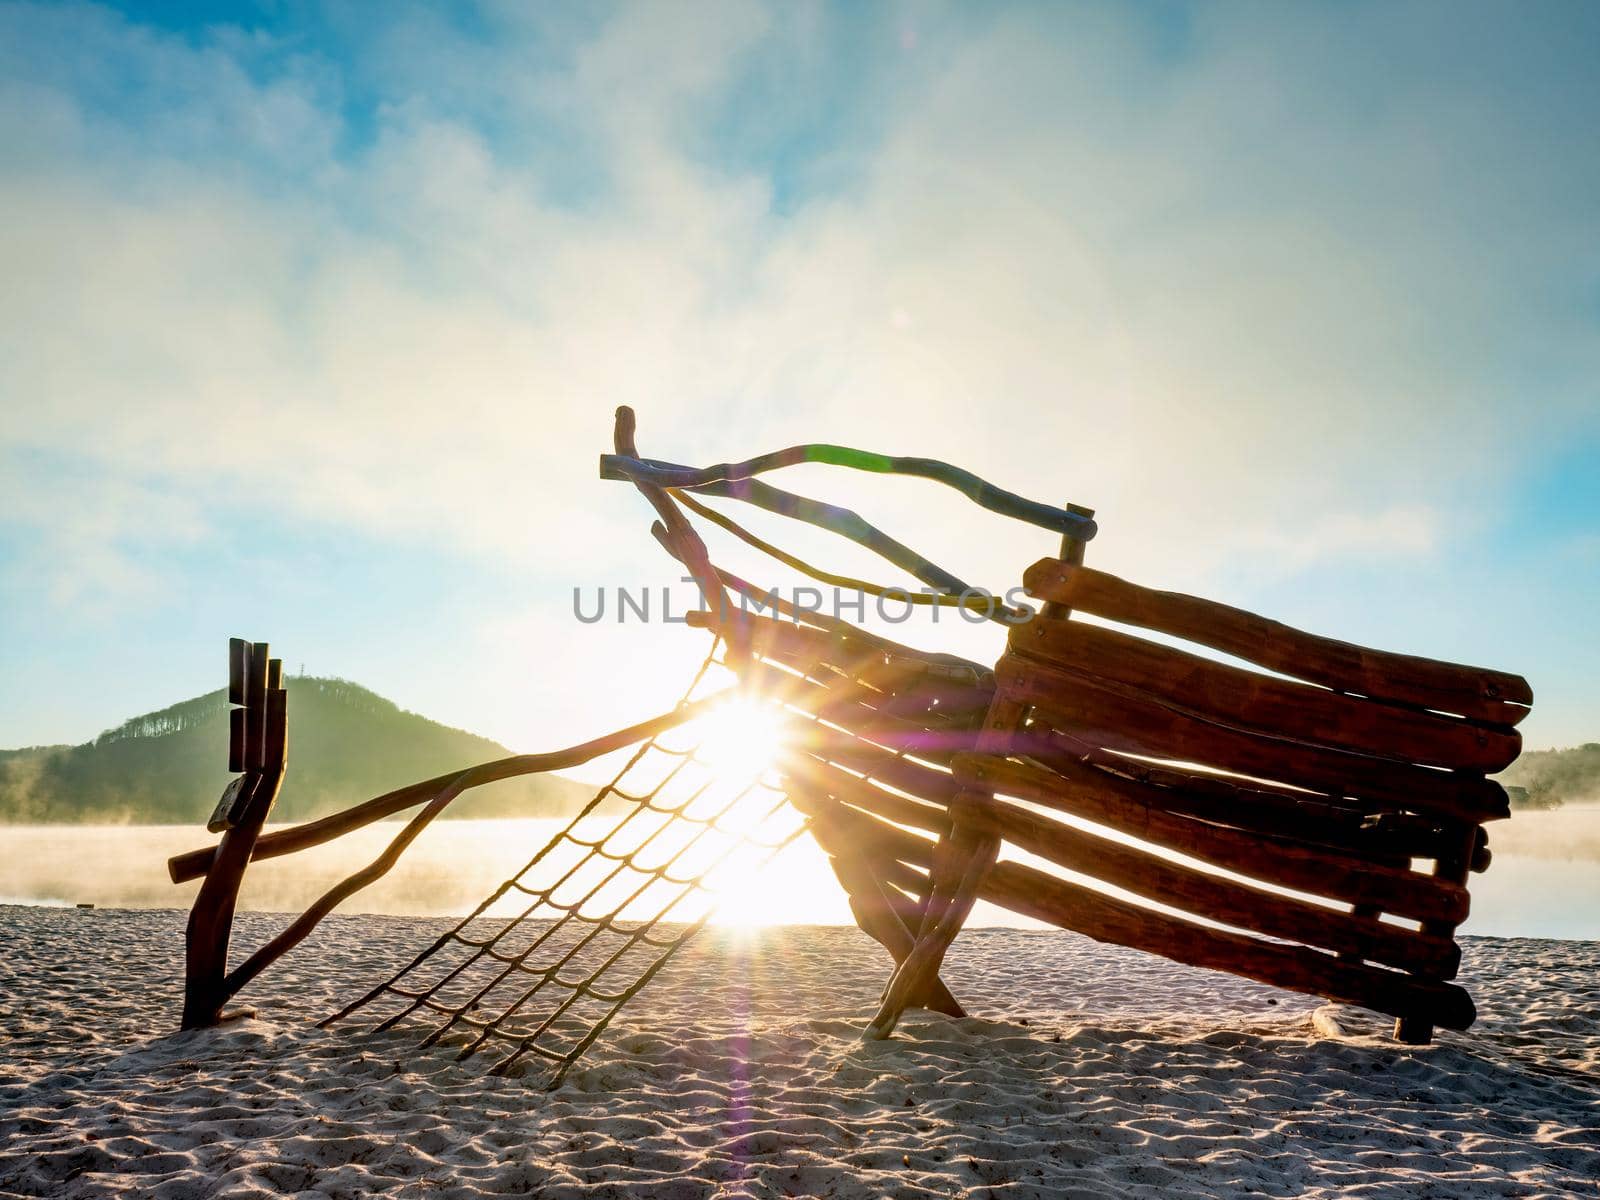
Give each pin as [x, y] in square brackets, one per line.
[1551, 778]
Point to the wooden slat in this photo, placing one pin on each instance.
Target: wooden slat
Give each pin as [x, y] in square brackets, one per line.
[237, 739]
[1475, 692]
[275, 755]
[255, 707]
[239, 652]
[1120, 804]
[1034, 893]
[1264, 704]
[1390, 839]
[860, 793]
[1123, 719]
[1216, 898]
[1107, 919]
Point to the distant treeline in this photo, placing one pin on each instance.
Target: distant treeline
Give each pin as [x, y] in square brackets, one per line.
[346, 744]
[1551, 778]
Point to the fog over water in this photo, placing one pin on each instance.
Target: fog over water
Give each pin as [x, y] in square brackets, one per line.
[1544, 880]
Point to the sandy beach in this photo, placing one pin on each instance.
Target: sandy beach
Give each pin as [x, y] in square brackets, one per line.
[1089, 1071]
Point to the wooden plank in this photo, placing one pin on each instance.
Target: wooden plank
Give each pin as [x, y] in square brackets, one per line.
[1107, 919]
[1034, 893]
[1127, 720]
[1475, 692]
[1216, 898]
[1387, 839]
[1265, 704]
[239, 652]
[1120, 804]
[861, 793]
[237, 739]
[275, 754]
[1415, 1028]
[255, 720]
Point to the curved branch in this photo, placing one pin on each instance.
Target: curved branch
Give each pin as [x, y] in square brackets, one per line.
[992, 608]
[194, 863]
[979, 491]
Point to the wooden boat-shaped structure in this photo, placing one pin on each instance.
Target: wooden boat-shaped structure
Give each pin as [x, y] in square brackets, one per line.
[1181, 777]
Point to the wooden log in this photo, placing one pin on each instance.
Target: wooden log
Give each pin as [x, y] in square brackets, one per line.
[255, 721]
[848, 705]
[1135, 722]
[899, 771]
[210, 926]
[239, 655]
[1264, 704]
[1107, 919]
[1415, 1028]
[1217, 898]
[238, 739]
[1120, 804]
[962, 859]
[1034, 893]
[862, 794]
[302, 926]
[275, 749]
[1278, 813]
[870, 835]
[885, 915]
[1474, 692]
[813, 634]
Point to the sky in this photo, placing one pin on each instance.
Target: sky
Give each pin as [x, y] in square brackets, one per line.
[314, 318]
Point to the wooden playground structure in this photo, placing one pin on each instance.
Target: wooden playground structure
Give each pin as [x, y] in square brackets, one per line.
[1302, 811]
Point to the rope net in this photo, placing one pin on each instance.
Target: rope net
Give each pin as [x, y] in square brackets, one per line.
[604, 905]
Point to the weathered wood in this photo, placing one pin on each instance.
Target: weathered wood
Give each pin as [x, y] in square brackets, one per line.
[255, 721]
[237, 740]
[1123, 719]
[1277, 813]
[1478, 693]
[1218, 898]
[1415, 1028]
[883, 913]
[1264, 704]
[239, 653]
[1105, 918]
[1120, 804]
[863, 794]
[962, 860]
[210, 926]
[302, 926]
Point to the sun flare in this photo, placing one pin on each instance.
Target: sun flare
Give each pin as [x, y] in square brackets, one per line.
[741, 740]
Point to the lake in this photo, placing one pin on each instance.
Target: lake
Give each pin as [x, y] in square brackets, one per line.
[1544, 881]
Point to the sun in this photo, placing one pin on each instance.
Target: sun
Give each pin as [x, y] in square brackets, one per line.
[740, 740]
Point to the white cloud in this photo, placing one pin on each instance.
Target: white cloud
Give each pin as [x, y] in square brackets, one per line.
[1257, 310]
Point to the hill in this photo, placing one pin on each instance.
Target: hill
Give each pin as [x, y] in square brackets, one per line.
[346, 744]
[1552, 778]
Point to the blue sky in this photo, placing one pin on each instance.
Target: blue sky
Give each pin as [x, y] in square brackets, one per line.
[315, 317]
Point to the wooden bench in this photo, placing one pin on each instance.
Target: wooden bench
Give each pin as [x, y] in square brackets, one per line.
[1307, 820]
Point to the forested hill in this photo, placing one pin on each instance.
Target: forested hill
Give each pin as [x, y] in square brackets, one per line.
[346, 744]
[1552, 778]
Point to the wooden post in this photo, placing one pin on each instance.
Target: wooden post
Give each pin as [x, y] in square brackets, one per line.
[963, 859]
[1452, 864]
[258, 743]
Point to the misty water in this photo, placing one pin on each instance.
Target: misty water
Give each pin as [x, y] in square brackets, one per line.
[1544, 880]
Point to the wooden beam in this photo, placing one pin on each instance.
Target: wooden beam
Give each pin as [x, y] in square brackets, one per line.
[1118, 804]
[1475, 692]
[1264, 704]
[1123, 719]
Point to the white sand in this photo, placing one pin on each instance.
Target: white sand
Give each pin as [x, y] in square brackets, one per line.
[1094, 1072]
